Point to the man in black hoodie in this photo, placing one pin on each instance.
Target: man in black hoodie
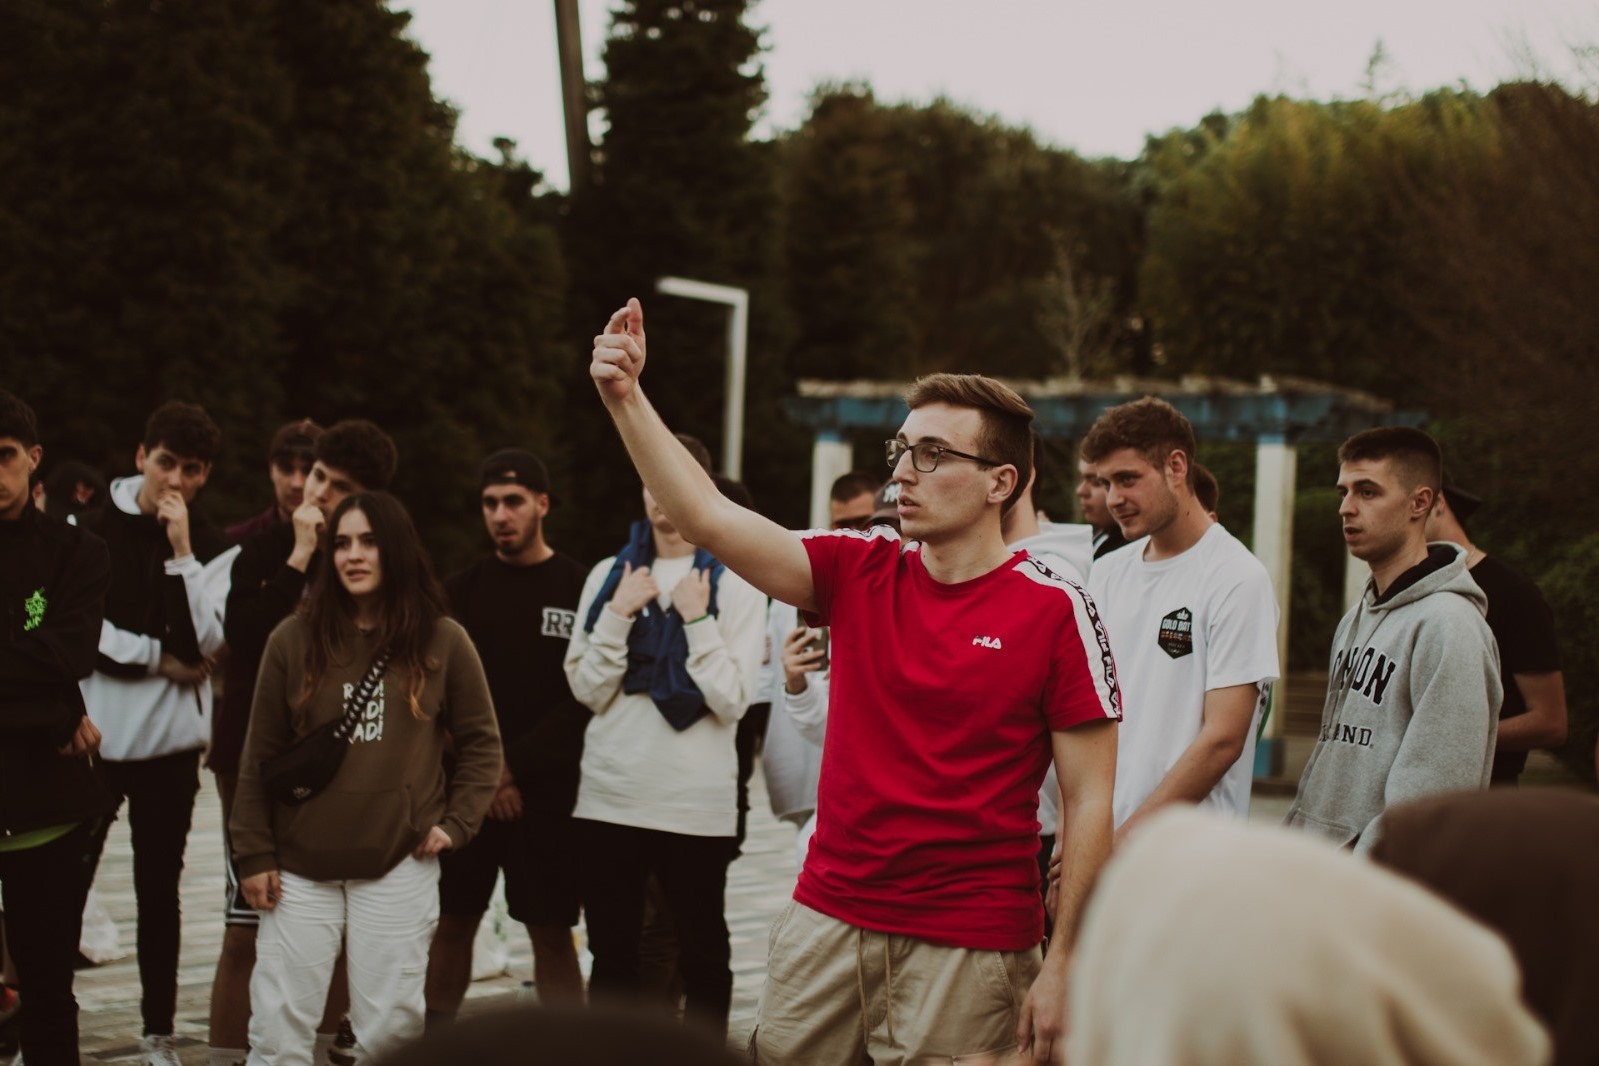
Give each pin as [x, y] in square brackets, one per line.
[53, 580]
[518, 607]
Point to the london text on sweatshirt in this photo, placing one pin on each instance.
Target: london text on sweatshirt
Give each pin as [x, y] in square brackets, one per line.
[1412, 704]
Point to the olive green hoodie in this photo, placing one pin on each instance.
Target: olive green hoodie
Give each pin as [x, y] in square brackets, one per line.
[391, 788]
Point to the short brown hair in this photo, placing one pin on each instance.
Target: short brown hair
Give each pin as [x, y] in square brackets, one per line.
[1006, 435]
[853, 484]
[1151, 427]
[1414, 454]
[294, 442]
[361, 450]
[184, 429]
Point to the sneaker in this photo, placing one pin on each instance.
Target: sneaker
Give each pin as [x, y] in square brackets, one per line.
[159, 1050]
[342, 1053]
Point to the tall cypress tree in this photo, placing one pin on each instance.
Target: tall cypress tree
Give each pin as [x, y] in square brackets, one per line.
[259, 206]
[139, 196]
[421, 298]
[926, 238]
[679, 189]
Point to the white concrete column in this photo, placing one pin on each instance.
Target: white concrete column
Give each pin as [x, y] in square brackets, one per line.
[1276, 472]
[1355, 575]
[830, 460]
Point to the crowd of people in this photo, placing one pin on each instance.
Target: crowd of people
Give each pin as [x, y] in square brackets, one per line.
[1018, 752]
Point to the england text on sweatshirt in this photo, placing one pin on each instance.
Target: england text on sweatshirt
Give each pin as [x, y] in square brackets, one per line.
[391, 788]
[1412, 703]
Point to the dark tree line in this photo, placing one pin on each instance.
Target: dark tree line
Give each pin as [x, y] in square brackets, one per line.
[260, 206]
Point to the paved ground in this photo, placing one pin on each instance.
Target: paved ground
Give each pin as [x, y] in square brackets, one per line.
[758, 885]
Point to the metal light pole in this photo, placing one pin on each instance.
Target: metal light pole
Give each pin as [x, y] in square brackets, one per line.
[738, 325]
[574, 94]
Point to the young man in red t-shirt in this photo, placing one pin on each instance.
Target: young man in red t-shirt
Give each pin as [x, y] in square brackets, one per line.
[959, 670]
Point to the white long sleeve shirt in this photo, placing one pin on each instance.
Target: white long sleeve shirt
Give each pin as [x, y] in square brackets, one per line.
[637, 770]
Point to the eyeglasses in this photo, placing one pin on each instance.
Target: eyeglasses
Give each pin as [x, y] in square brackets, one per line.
[926, 457]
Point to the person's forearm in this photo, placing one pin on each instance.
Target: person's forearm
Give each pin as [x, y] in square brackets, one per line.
[1085, 839]
[1531, 730]
[181, 638]
[1195, 774]
[64, 646]
[1544, 723]
[724, 652]
[479, 760]
[596, 662]
[808, 709]
[681, 487]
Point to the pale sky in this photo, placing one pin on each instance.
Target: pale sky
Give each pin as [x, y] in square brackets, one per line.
[1094, 77]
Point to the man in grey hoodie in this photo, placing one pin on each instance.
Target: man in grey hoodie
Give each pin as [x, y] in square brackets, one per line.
[1413, 691]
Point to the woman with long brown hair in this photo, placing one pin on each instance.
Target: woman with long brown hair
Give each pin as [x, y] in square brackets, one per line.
[357, 860]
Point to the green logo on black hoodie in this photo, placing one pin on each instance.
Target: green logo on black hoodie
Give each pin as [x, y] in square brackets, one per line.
[35, 606]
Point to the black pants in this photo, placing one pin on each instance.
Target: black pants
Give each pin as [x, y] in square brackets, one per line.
[44, 891]
[692, 873]
[160, 794]
[747, 742]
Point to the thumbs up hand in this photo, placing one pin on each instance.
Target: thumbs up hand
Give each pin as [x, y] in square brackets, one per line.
[619, 354]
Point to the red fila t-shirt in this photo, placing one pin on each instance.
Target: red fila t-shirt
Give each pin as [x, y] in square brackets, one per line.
[941, 702]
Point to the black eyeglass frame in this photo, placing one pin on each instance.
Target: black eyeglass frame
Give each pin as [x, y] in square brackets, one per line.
[895, 449]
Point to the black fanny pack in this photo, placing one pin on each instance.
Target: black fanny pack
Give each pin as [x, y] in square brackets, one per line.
[293, 776]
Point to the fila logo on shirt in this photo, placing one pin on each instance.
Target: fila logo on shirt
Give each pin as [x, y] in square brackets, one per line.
[558, 623]
[987, 642]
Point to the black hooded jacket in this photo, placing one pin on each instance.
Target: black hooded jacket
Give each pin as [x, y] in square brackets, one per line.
[53, 580]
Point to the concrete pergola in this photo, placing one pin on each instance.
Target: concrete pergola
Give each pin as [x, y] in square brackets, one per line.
[1276, 413]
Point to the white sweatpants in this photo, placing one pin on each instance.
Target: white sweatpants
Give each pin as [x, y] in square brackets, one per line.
[386, 927]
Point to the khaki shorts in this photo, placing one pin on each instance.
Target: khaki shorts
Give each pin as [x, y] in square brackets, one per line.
[839, 995]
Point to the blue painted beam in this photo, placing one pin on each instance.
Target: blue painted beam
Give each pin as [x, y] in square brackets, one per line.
[1295, 416]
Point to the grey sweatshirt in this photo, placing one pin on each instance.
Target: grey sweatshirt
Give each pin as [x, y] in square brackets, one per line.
[1412, 704]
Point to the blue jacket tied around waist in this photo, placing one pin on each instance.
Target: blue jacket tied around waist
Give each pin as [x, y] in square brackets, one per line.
[657, 646]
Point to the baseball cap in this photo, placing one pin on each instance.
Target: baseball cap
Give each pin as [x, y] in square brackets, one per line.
[514, 466]
[885, 505]
[1461, 502]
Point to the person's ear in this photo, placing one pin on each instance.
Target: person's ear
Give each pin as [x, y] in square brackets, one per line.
[1004, 483]
[138, 459]
[1422, 501]
[1177, 464]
